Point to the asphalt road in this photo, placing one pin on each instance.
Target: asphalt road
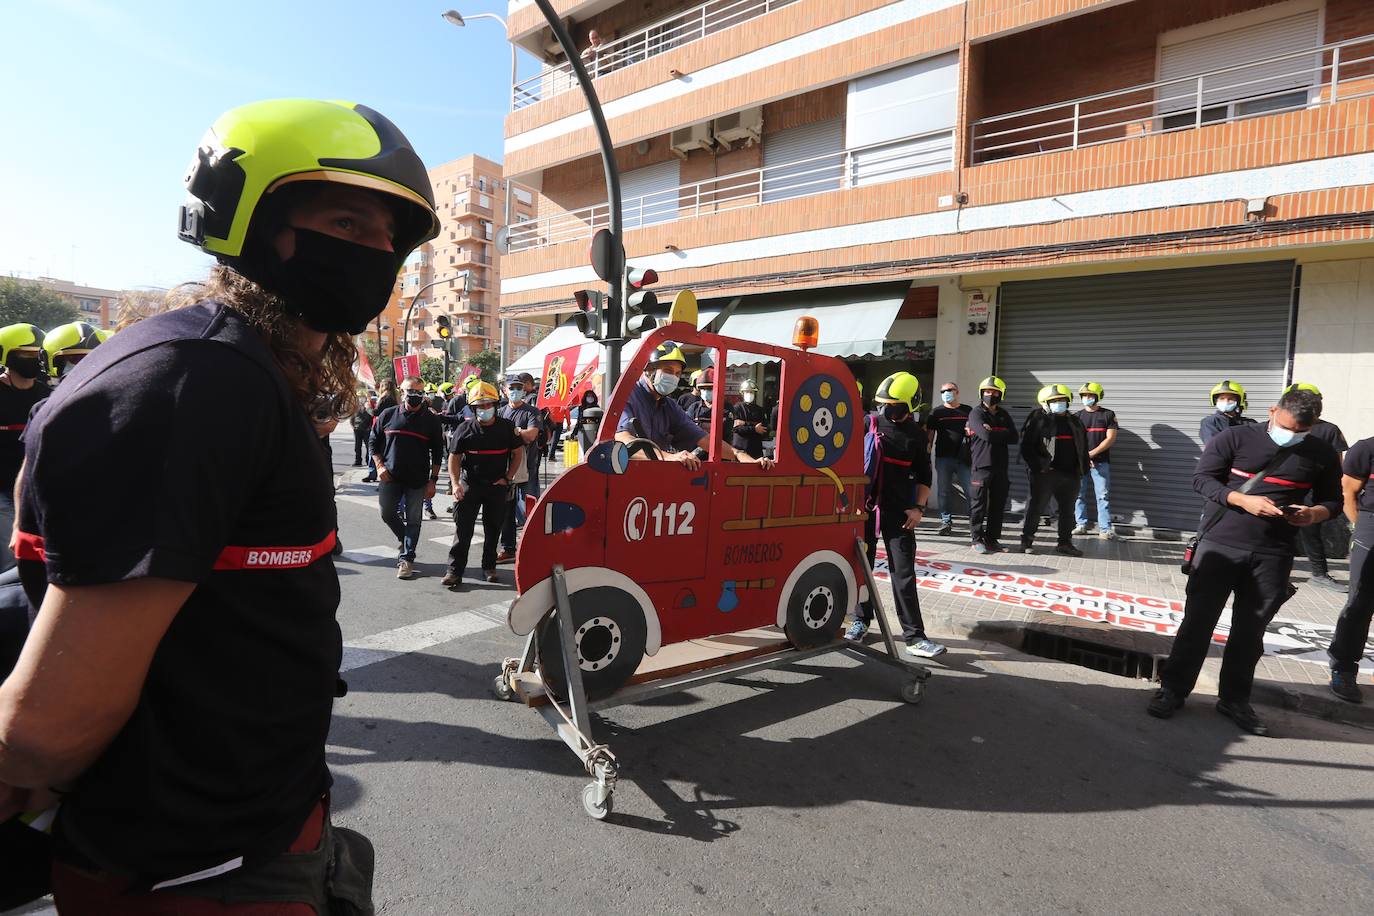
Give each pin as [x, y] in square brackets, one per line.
[1019, 785]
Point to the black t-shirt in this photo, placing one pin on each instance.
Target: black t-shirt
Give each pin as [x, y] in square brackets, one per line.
[904, 463]
[1359, 463]
[527, 416]
[747, 438]
[224, 754]
[410, 443]
[949, 424]
[1216, 422]
[1065, 454]
[485, 449]
[15, 406]
[1235, 455]
[993, 432]
[1095, 424]
[1329, 433]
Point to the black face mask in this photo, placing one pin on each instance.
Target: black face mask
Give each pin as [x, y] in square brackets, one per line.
[413, 401]
[331, 284]
[992, 400]
[24, 366]
[895, 412]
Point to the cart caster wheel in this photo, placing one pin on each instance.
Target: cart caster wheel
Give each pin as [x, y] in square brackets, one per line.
[501, 687]
[913, 690]
[589, 804]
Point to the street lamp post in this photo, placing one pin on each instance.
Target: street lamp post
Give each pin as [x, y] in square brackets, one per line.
[453, 17]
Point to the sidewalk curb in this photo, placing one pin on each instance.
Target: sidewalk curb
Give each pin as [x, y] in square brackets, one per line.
[1308, 700]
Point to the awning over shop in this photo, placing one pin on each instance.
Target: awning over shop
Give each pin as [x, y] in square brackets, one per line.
[567, 335]
[852, 322]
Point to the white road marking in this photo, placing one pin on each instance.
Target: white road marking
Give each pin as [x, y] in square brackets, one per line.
[417, 637]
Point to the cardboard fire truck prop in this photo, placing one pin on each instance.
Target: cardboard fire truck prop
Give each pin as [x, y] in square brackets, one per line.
[626, 554]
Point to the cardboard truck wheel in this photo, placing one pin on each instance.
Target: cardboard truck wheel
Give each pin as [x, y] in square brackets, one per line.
[609, 636]
[816, 605]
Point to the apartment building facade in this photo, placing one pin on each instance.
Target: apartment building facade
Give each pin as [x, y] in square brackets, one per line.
[96, 306]
[1153, 194]
[458, 273]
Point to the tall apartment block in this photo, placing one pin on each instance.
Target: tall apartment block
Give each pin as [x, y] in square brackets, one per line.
[470, 195]
[1151, 194]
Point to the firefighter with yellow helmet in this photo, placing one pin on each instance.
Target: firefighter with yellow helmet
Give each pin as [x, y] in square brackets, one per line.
[651, 414]
[1101, 425]
[692, 397]
[200, 558]
[898, 473]
[1228, 397]
[68, 344]
[1054, 447]
[23, 384]
[992, 433]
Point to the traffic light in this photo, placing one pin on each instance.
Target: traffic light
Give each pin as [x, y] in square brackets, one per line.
[639, 302]
[443, 327]
[591, 308]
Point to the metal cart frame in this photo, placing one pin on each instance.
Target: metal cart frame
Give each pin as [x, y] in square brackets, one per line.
[572, 720]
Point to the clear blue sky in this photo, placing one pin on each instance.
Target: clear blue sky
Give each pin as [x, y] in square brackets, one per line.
[105, 101]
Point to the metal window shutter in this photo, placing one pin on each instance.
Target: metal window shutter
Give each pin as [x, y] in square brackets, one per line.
[1157, 341]
[783, 180]
[1241, 47]
[649, 195]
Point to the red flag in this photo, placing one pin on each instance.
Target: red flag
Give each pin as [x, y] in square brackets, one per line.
[365, 368]
[557, 383]
[406, 367]
[584, 380]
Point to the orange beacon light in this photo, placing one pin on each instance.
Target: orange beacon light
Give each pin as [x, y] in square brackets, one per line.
[806, 333]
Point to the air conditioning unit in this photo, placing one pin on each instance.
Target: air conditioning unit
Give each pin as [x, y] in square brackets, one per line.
[744, 125]
[686, 139]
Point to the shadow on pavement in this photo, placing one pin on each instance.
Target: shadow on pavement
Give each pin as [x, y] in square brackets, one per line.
[987, 738]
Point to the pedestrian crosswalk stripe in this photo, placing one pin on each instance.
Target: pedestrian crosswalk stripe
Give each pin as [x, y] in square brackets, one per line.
[417, 637]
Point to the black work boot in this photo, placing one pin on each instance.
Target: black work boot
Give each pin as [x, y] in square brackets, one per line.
[1164, 703]
[1345, 686]
[1243, 714]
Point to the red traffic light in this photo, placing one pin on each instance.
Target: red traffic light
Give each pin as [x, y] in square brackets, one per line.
[640, 277]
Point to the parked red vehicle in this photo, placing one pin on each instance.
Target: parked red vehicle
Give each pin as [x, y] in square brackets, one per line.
[657, 554]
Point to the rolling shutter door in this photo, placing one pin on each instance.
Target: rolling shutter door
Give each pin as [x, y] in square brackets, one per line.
[649, 195]
[1157, 341]
[1247, 48]
[803, 160]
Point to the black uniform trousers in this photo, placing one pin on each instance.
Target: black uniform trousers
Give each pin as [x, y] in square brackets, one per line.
[490, 500]
[1259, 582]
[990, 490]
[1352, 629]
[362, 450]
[901, 569]
[1062, 486]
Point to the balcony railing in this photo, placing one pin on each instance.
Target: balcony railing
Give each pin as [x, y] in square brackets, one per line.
[664, 35]
[1285, 82]
[905, 157]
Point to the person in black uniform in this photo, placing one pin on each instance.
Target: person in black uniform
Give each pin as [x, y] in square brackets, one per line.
[692, 396]
[1347, 647]
[407, 450]
[748, 424]
[949, 445]
[361, 421]
[484, 454]
[899, 484]
[1102, 428]
[1054, 447]
[1228, 397]
[531, 423]
[22, 385]
[1311, 536]
[1247, 553]
[704, 388]
[180, 674]
[386, 397]
[993, 433]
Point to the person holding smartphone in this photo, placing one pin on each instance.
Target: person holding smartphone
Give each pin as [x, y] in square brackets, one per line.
[1247, 552]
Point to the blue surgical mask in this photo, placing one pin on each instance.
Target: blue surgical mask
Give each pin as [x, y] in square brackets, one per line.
[1059, 407]
[486, 414]
[665, 383]
[1090, 402]
[1227, 406]
[517, 396]
[1284, 437]
[706, 395]
[947, 397]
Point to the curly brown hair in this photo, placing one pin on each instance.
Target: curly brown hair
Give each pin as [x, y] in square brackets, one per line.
[324, 377]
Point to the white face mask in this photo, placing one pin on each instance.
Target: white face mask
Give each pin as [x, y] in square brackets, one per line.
[748, 397]
[706, 395]
[665, 383]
